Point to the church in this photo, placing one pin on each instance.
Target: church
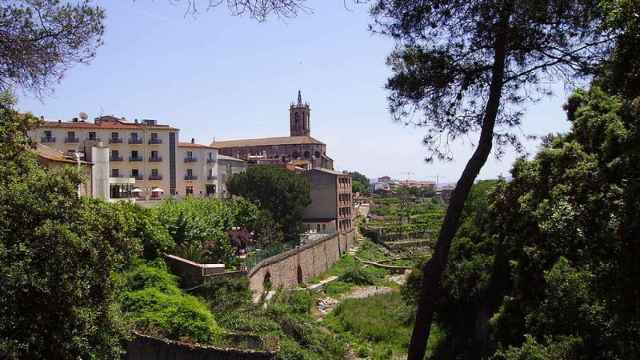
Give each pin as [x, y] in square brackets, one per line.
[298, 149]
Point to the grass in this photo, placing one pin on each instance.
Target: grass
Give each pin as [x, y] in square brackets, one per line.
[377, 327]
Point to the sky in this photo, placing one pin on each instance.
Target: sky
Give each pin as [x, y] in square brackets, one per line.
[218, 76]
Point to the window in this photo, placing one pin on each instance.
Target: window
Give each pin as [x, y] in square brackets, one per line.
[154, 136]
[154, 154]
[190, 154]
[114, 135]
[134, 154]
[211, 189]
[114, 154]
[92, 135]
[154, 172]
[189, 190]
[306, 154]
[71, 134]
[115, 173]
[134, 136]
[317, 154]
[47, 134]
[189, 172]
[135, 173]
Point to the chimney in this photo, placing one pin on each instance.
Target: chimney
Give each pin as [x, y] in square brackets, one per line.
[193, 140]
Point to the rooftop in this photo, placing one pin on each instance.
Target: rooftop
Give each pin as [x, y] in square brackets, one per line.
[106, 122]
[195, 146]
[52, 154]
[284, 140]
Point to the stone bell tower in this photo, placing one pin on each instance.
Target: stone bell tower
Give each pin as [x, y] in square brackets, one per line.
[299, 118]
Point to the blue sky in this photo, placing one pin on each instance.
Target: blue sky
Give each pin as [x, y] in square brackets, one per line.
[227, 77]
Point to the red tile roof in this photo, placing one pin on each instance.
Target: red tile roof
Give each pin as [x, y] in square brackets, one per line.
[52, 154]
[285, 140]
[104, 122]
[196, 146]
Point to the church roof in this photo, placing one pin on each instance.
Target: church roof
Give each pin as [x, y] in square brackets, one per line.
[271, 141]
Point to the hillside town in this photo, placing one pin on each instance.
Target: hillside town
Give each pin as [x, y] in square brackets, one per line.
[226, 220]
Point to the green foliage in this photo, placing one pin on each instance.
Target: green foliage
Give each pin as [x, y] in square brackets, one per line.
[284, 194]
[199, 226]
[545, 264]
[57, 253]
[225, 294]
[152, 301]
[143, 225]
[52, 36]
[379, 326]
[358, 187]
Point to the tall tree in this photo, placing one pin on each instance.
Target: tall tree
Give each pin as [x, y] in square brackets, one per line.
[41, 39]
[257, 9]
[284, 194]
[471, 66]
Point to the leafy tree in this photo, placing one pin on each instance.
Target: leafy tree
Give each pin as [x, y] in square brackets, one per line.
[360, 183]
[57, 254]
[199, 227]
[257, 9]
[470, 66]
[284, 194]
[42, 39]
[359, 187]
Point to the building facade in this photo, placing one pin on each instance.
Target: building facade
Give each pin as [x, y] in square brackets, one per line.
[143, 157]
[298, 147]
[331, 208]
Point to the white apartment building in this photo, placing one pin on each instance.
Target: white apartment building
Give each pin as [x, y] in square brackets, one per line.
[144, 153]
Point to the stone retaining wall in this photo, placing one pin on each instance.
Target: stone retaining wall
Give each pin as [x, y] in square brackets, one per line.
[294, 267]
[144, 347]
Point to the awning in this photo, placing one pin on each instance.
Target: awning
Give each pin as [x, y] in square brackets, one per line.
[157, 190]
[137, 190]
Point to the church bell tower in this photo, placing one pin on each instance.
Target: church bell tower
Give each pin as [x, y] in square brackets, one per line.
[299, 118]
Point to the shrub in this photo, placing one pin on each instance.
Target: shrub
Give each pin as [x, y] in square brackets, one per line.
[225, 294]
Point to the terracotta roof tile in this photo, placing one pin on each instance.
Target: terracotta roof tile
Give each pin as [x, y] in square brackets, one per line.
[195, 146]
[285, 140]
[105, 122]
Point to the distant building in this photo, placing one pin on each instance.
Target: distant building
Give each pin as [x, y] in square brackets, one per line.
[331, 208]
[384, 179]
[228, 166]
[52, 158]
[297, 147]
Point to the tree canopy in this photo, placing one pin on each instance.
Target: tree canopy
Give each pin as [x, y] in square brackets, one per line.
[284, 194]
[470, 66]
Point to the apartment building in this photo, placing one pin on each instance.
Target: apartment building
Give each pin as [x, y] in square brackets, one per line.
[197, 170]
[331, 208]
[144, 157]
[142, 150]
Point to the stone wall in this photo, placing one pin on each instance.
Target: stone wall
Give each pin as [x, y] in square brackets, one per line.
[144, 347]
[192, 273]
[294, 267]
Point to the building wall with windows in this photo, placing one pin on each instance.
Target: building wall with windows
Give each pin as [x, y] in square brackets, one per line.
[331, 201]
[197, 170]
[228, 166]
[140, 150]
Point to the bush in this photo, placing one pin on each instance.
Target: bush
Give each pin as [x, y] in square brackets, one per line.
[225, 294]
[151, 300]
[174, 316]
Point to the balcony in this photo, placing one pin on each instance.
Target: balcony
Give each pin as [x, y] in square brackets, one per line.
[190, 159]
[71, 140]
[212, 177]
[155, 141]
[134, 141]
[155, 177]
[190, 177]
[94, 139]
[135, 158]
[115, 141]
[115, 158]
[116, 175]
[155, 159]
[47, 139]
[211, 161]
[137, 176]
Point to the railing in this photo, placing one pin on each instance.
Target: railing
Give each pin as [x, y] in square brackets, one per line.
[115, 158]
[71, 140]
[155, 159]
[48, 139]
[190, 159]
[211, 161]
[155, 177]
[135, 140]
[212, 177]
[258, 254]
[138, 176]
[135, 158]
[190, 177]
[115, 141]
[155, 141]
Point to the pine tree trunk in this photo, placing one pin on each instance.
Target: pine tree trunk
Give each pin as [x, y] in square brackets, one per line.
[435, 267]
